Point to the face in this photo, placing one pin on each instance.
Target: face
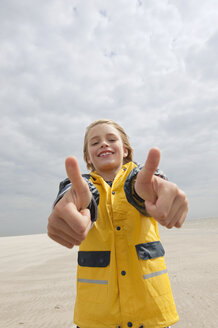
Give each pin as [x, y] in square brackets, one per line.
[105, 149]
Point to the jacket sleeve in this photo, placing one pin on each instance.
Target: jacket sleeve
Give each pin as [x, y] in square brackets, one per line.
[66, 184]
[131, 195]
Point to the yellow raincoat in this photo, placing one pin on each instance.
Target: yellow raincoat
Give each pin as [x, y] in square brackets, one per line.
[122, 280]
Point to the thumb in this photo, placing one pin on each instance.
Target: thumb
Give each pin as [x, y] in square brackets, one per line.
[144, 185]
[73, 172]
[79, 189]
[151, 165]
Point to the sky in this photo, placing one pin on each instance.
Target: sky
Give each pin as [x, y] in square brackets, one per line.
[149, 65]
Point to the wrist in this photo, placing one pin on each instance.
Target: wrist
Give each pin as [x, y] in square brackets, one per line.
[92, 207]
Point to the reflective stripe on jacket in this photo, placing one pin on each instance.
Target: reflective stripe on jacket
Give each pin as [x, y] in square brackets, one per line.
[122, 280]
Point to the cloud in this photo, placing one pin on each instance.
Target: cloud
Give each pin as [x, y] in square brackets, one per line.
[151, 66]
[202, 61]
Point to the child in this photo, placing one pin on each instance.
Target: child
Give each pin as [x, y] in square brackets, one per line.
[112, 213]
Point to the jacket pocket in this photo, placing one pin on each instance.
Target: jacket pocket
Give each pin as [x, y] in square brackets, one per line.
[93, 276]
[154, 272]
[150, 250]
[94, 259]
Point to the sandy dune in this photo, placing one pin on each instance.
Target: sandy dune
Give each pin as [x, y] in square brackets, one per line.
[37, 278]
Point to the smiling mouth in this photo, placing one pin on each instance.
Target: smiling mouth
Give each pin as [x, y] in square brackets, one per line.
[106, 153]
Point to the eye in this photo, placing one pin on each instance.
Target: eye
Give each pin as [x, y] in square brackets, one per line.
[94, 143]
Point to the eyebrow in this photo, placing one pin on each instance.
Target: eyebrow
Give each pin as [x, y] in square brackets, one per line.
[108, 135]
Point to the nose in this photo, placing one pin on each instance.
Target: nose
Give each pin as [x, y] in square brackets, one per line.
[104, 144]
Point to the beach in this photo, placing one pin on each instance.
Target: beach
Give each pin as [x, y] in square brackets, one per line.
[38, 278]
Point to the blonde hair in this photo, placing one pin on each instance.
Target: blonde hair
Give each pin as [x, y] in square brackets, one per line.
[123, 136]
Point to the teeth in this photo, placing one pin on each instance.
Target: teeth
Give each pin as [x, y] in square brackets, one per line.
[104, 154]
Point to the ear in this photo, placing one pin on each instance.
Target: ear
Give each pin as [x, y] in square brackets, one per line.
[88, 160]
[125, 152]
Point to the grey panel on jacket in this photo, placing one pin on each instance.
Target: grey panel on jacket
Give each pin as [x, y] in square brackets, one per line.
[130, 192]
[66, 184]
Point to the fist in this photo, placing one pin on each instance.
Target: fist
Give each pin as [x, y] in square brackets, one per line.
[163, 199]
[70, 222]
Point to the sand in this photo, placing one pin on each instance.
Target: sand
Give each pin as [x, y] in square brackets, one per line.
[37, 278]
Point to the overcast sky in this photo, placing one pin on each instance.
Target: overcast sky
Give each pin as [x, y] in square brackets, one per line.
[150, 65]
